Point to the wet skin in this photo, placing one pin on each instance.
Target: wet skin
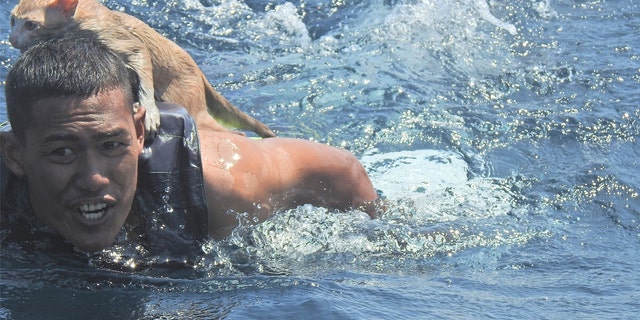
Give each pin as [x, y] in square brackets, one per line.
[261, 177]
[80, 155]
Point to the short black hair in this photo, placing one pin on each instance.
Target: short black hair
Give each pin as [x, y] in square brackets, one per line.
[76, 64]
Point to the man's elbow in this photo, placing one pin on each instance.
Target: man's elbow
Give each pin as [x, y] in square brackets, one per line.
[364, 195]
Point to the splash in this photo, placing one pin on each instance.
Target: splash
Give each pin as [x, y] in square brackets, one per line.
[435, 210]
[285, 26]
[483, 9]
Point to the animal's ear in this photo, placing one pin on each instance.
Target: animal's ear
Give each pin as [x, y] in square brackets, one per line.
[66, 7]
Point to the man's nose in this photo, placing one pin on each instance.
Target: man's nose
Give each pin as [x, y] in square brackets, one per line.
[91, 174]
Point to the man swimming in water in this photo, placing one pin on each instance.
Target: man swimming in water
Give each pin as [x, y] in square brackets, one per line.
[78, 163]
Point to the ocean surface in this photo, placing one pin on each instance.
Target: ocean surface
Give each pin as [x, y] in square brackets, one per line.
[505, 136]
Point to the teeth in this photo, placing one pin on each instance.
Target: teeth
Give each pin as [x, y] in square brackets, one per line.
[93, 216]
[92, 211]
[90, 207]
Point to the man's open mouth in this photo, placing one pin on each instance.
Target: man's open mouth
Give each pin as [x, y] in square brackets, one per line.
[93, 211]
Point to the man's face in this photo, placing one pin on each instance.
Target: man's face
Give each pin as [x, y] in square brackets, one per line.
[80, 157]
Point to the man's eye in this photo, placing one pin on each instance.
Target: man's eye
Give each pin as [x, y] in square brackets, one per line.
[109, 145]
[62, 155]
[62, 152]
[113, 147]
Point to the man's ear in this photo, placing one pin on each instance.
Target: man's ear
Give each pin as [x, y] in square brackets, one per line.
[12, 153]
[138, 122]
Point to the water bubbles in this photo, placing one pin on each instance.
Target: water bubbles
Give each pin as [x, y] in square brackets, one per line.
[131, 264]
[544, 9]
[166, 199]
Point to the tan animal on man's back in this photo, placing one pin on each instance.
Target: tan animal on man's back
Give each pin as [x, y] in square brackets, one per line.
[166, 71]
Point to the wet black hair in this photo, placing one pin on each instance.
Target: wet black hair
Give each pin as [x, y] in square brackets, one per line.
[76, 64]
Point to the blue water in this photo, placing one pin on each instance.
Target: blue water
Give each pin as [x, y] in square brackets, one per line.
[505, 135]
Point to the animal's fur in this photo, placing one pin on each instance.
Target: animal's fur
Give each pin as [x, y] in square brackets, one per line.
[166, 71]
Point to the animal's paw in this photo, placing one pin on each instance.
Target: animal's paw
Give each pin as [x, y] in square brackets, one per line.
[152, 120]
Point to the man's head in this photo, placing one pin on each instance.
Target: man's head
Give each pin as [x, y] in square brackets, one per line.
[74, 65]
[76, 137]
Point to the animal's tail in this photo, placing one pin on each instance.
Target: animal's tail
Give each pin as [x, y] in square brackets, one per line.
[230, 116]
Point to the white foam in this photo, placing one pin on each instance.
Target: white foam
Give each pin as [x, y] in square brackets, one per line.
[284, 26]
[415, 173]
[485, 13]
[437, 184]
